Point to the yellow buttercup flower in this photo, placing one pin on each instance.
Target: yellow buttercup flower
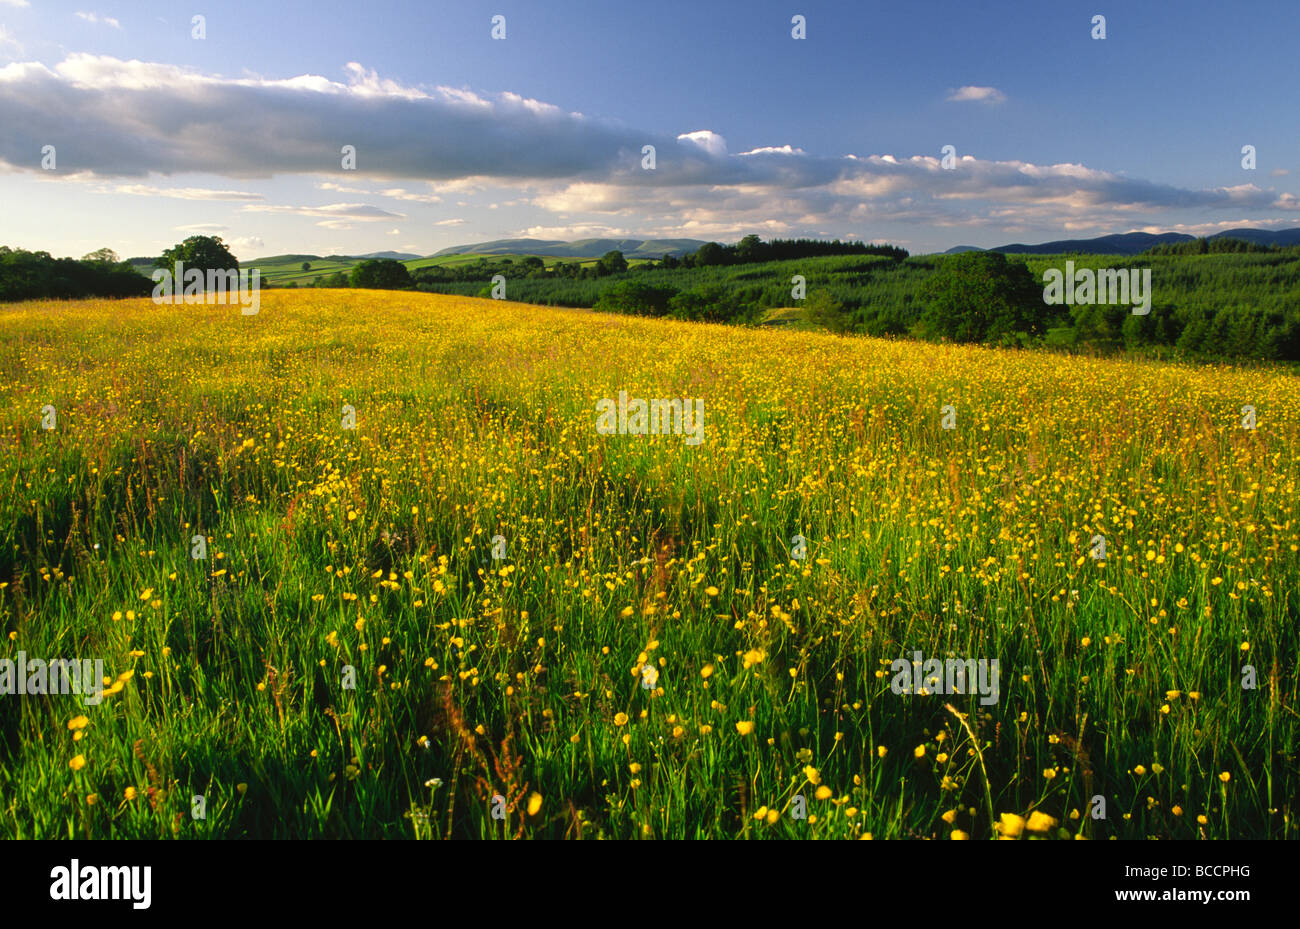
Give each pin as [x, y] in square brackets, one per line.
[1010, 825]
[1040, 822]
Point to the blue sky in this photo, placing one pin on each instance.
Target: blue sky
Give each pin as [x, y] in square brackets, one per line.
[463, 138]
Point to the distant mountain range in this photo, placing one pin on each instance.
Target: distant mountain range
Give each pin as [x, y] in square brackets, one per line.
[285, 259]
[1133, 243]
[281, 259]
[583, 248]
[396, 256]
[1129, 243]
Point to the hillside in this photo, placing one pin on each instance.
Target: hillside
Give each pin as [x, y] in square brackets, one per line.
[1204, 306]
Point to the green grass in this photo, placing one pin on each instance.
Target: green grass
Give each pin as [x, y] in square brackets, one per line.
[475, 419]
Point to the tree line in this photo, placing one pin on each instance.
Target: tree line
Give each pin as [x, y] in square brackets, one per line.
[1215, 298]
[28, 275]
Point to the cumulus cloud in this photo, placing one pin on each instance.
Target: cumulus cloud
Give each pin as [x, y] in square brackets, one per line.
[706, 139]
[126, 115]
[796, 190]
[133, 120]
[972, 94]
[577, 231]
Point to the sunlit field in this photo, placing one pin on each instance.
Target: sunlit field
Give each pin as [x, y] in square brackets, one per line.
[645, 650]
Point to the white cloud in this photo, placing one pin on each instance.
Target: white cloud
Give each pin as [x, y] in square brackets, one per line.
[397, 193]
[201, 228]
[94, 18]
[972, 94]
[585, 172]
[706, 139]
[18, 3]
[774, 150]
[181, 193]
[256, 127]
[342, 189]
[334, 212]
[449, 222]
[581, 197]
[576, 231]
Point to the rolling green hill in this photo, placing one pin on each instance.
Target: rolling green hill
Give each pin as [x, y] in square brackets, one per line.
[1236, 305]
[280, 270]
[1239, 305]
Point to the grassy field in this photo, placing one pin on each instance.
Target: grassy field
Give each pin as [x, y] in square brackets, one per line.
[284, 272]
[277, 273]
[528, 676]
